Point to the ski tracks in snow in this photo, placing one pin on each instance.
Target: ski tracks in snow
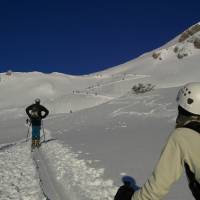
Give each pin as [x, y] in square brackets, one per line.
[79, 180]
[18, 176]
[50, 188]
[53, 172]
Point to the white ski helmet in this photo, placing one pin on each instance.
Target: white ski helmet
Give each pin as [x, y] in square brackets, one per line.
[37, 100]
[189, 97]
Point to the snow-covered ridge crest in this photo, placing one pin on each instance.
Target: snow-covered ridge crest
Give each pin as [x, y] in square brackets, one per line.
[188, 43]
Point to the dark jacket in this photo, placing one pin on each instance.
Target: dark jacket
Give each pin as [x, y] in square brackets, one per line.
[36, 113]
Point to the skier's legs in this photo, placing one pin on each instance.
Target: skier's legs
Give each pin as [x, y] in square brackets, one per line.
[35, 135]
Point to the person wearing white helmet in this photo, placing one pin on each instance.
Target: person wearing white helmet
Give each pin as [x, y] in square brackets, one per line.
[36, 112]
[181, 152]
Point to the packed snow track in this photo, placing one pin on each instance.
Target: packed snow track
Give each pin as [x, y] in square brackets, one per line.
[52, 172]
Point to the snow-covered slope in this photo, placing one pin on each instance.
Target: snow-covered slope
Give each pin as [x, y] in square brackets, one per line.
[123, 137]
[61, 93]
[113, 132]
[172, 65]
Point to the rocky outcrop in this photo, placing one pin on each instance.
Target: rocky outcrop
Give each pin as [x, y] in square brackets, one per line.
[189, 32]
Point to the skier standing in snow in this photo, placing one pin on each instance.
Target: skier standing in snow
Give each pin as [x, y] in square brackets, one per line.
[36, 113]
[180, 153]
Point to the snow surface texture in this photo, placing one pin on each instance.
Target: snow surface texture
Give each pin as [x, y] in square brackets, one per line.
[79, 179]
[100, 130]
[18, 176]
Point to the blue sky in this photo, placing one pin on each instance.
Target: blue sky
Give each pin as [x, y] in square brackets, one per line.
[84, 36]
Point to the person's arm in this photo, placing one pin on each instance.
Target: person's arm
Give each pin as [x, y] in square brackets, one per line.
[28, 109]
[168, 170]
[46, 112]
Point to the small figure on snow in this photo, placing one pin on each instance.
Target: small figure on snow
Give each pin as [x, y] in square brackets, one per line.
[180, 153]
[36, 112]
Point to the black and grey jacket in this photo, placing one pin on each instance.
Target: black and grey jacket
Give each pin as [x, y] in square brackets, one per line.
[36, 113]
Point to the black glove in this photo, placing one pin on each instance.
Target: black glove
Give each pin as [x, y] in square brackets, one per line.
[125, 192]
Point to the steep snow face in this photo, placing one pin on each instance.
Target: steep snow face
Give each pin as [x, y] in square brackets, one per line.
[173, 64]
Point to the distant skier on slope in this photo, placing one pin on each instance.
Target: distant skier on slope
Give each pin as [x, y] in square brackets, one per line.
[181, 151]
[36, 113]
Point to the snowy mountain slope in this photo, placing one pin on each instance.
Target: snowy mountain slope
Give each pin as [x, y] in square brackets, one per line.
[12, 129]
[72, 103]
[96, 146]
[125, 135]
[60, 92]
[172, 65]
[112, 133]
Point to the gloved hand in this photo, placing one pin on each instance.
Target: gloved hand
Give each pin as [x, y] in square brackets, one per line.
[125, 192]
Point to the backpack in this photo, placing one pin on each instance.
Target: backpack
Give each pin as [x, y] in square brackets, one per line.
[194, 185]
[35, 113]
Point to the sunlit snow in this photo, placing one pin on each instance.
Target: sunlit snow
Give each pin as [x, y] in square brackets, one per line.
[98, 130]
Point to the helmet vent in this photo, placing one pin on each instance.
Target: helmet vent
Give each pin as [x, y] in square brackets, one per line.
[190, 101]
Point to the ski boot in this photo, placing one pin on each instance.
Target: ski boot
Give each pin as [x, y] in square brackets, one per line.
[37, 143]
[33, 145]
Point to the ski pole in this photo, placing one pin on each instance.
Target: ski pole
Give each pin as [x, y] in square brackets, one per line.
[43, 131]
[28, 133]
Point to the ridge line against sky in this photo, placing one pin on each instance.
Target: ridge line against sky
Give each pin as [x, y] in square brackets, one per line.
[82, 37]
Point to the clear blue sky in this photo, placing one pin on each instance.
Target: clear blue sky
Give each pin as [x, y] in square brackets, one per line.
[84, 36]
